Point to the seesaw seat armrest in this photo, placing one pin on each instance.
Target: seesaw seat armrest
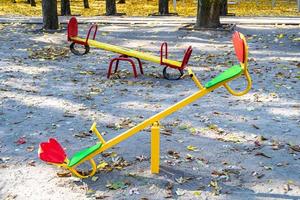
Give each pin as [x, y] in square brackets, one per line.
[94, 130]
[89, 32]
[240, 93]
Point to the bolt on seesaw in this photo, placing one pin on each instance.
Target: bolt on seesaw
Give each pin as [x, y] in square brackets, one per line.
[52, 152]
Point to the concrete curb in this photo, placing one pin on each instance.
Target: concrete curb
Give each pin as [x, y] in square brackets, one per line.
[170, 20]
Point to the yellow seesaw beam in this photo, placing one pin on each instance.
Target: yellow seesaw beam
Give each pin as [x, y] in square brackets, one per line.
[128, 52]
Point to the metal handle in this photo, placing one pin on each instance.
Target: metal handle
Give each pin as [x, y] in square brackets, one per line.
[236, 93]
[94, 169]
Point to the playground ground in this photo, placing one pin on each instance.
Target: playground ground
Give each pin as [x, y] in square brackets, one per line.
[220, 147]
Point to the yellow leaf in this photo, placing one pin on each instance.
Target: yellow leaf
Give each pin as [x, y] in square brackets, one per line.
[192, 148]
[197, 193]
[102, 165]
[296, 39]
[281, 36]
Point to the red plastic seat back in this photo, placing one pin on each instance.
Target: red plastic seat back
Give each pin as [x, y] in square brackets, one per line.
[72, 28]
[239, 47]
[52, 152]
[186, 57]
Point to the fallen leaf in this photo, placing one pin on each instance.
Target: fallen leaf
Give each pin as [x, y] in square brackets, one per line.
[167, 132]
[174, 154]
[262, 154]
[169, 188]
[64, 174]
[30, 148]
[182, 180]
[134, 191]
[287, 188]
[141, 158]
[102, 165]
[192, 148]
[197, 193]
[217, 173]
[21, 140]
[180, 192]
[31, 163]
[82, 135]
[295, 147]
[90, 192]
[189, 157]
[100, 195]
[255, 126]
[215, 187]
[268, 167]
[117, 185]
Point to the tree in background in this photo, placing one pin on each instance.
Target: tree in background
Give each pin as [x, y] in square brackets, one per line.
[65, 8]
[208, 13]
[86, 4]
[163, 7]
[50, 19]
[31, 2]
[111, 8]
[224, 8]
[121, 2]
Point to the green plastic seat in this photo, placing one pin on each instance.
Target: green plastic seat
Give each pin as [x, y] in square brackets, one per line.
[77, 157]
[227, 74]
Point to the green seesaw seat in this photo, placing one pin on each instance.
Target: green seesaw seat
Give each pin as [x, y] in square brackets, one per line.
[233, 71]
[80, 155]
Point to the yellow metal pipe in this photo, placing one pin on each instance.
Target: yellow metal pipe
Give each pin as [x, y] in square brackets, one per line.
[195, 79]
[148, 122]
[128, 52]
[155, 148]
[95, 130]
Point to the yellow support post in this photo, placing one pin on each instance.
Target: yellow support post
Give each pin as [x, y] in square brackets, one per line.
[155, 148]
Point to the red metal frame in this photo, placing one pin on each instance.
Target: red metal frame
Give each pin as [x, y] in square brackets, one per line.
[164, 46]
[164, 53]
[124, 58]
[89, 32]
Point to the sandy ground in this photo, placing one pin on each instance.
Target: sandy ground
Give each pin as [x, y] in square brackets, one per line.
[243, 147]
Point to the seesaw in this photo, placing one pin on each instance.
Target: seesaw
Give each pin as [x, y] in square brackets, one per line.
[125, 53]
[52, 152]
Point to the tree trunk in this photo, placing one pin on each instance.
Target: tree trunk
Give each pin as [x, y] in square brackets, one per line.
[28, 1]
[65, 8]
[224, 8]
[32, 3]
[208, 14]
[50, 19]
[163, 7]
[111, 7]
[86, 4]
